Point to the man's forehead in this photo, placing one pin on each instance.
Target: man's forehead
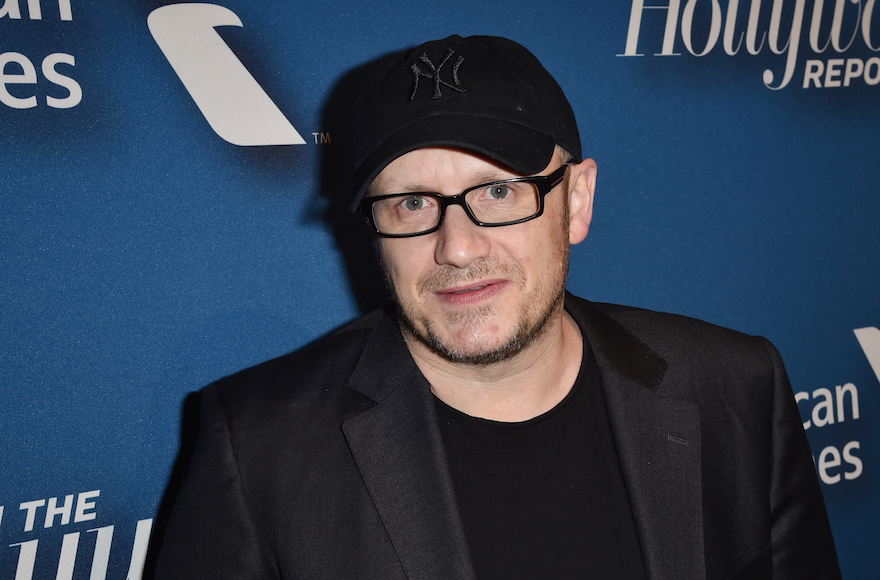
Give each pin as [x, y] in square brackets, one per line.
[428, 167]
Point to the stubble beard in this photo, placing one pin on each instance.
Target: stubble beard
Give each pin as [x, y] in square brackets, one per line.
[532, 321]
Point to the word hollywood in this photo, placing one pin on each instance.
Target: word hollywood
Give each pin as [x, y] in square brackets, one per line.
[79, 508]
[850, 20]
[22, 70]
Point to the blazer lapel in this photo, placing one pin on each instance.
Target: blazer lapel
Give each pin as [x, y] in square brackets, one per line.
[658, 443]
[397, 447]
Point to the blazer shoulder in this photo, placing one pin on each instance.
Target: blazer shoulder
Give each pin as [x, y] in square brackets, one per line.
[700, 349]
[676, 329]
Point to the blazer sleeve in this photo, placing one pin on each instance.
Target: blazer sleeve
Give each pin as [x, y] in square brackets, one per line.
[211, 533]
[803, 547]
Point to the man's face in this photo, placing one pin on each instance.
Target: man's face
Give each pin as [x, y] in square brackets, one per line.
[474, 294]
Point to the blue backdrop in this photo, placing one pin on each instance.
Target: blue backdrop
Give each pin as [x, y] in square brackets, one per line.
[171, 211]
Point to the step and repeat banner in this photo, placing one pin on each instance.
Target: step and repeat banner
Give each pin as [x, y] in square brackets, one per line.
[173, 186]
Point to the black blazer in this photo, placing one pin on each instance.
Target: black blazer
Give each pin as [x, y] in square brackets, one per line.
[327, 463]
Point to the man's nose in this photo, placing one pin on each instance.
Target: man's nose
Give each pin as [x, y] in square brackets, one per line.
[459, 240]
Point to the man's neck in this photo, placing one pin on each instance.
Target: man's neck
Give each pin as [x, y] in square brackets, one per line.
[521, 388]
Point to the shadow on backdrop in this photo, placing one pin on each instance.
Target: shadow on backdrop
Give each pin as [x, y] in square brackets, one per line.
[336, 177]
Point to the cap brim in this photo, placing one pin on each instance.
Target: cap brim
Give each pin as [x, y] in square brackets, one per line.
[515, 146]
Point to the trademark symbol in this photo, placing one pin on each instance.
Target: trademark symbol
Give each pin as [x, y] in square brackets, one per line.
[321, 138]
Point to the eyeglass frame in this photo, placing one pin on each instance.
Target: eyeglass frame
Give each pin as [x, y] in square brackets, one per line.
[544, 184]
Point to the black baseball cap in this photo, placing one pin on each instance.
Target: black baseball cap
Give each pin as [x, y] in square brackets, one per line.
[484, 94]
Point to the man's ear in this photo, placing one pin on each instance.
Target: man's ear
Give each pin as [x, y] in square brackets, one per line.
[582, 187]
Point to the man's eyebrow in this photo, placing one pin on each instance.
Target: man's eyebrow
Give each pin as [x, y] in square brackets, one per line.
[372, 191]
[494, 175]
[489, 176]
[413, 189]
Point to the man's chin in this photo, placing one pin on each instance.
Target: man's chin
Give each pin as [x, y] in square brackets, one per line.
[472, 351]
[470, 355]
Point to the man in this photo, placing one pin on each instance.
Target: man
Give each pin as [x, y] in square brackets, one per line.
[491, 425]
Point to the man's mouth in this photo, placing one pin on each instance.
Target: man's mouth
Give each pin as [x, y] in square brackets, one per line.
[466, 290]
[468, 295]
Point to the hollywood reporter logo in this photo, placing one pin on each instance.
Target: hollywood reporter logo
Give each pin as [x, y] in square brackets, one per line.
[846, 25]
[234, 104]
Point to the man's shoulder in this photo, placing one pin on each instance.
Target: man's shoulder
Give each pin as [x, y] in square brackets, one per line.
[683, 357]
[674, 337]
[650, 323]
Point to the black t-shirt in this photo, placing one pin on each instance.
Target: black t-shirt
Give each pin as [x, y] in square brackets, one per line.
[544, 498]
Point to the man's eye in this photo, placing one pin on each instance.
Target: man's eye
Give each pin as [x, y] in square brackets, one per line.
[498, 192]
[414, 203]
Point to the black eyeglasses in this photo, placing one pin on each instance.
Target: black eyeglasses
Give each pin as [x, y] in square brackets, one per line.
[500, 203]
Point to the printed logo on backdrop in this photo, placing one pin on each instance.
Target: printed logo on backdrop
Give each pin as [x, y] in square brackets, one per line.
[826, 407]
[21, 85]
[232, 101]
[814, 44]
[38, 523]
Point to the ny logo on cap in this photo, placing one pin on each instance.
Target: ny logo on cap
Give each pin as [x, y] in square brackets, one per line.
[435, 75]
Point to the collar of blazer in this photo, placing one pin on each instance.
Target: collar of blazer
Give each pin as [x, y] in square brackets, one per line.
[385, 360]
[615, 348]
